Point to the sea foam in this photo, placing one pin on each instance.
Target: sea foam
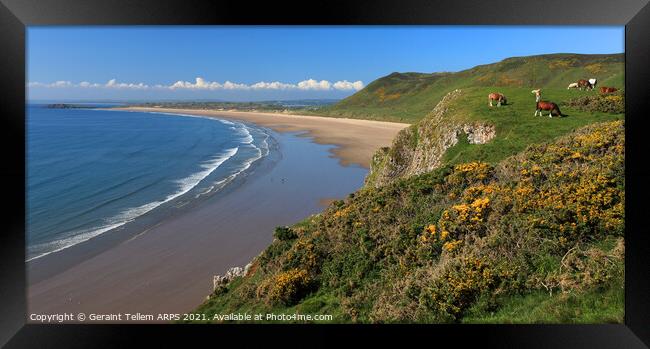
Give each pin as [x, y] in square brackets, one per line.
[184, 185]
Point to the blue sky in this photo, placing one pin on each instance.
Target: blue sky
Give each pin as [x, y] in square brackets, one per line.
[258, 63]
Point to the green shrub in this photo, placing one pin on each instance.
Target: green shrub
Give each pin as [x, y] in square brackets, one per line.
[269, 257]
[608, 103]
[284, 234]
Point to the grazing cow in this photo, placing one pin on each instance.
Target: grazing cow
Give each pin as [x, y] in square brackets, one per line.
[538, 94]
[500, 98]
[605, 90]
[593, 82]
[572, 85]
[583, 84]
[552, 108]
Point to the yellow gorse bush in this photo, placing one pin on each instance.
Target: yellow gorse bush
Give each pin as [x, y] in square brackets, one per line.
[344, 212]
[469, 173]
[590, 196]
[383, 96]
[466, 217]
[302, 254]
[460, 284]
[479, 170]
[595, 68]
[551, 182]
[614, 98]
[562, 63]
[288, 286]
[451, 245]
[430, 234]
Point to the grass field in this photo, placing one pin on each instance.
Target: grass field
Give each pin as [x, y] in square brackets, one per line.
[595, 306]
[516, 127]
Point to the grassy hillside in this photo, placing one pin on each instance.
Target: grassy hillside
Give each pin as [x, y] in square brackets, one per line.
[535, 237]
[475, 214]
[408, 97]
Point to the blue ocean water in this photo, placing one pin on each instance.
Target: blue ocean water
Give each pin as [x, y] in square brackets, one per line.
[90, 170]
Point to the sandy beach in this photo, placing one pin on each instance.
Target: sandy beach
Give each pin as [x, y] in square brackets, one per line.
[168, 267]
[355, 140]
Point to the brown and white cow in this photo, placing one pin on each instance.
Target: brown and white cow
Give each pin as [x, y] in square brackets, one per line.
[553, 109]
[498, 97]
[583, 84]
[605, 90]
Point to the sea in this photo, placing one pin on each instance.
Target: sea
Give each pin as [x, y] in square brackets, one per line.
[90, 170]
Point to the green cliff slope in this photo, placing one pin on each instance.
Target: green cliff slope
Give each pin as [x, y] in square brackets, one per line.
[536, 237]
[474, 214]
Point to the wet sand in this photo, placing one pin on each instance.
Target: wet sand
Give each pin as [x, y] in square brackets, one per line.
[168, 268]
[356, 140]
[324, 202]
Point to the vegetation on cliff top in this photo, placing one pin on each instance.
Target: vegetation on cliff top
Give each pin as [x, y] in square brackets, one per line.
[613, 103]
[535, 237]
[514, 125]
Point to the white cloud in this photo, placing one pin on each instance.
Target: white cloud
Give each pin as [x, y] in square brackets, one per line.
[234, 86]
[112, 83]
[347, 85]
[276, 85]
[199, 84]
[202, 84]
[312, 84]
[60, 83]
[85, 84]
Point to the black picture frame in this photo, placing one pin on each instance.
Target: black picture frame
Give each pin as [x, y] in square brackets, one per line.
[15, 15]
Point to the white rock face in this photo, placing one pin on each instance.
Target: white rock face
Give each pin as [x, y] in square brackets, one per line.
[420, 148]
[231, 274]
[480, 133]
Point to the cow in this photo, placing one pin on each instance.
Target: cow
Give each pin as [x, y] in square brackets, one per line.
[593, 82]
[498, 97]
[572, 85]
[583, 84]
[538, 94]
[550, 106]
[605, 90]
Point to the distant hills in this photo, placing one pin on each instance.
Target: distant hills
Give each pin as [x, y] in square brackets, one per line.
[408, 97]
[260, 106]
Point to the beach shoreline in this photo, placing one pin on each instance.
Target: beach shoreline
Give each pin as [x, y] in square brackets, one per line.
[114, 265]
[141, 272]
[355, 141]
[51, 264]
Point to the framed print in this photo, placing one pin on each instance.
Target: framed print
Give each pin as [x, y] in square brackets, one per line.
[453, 170]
